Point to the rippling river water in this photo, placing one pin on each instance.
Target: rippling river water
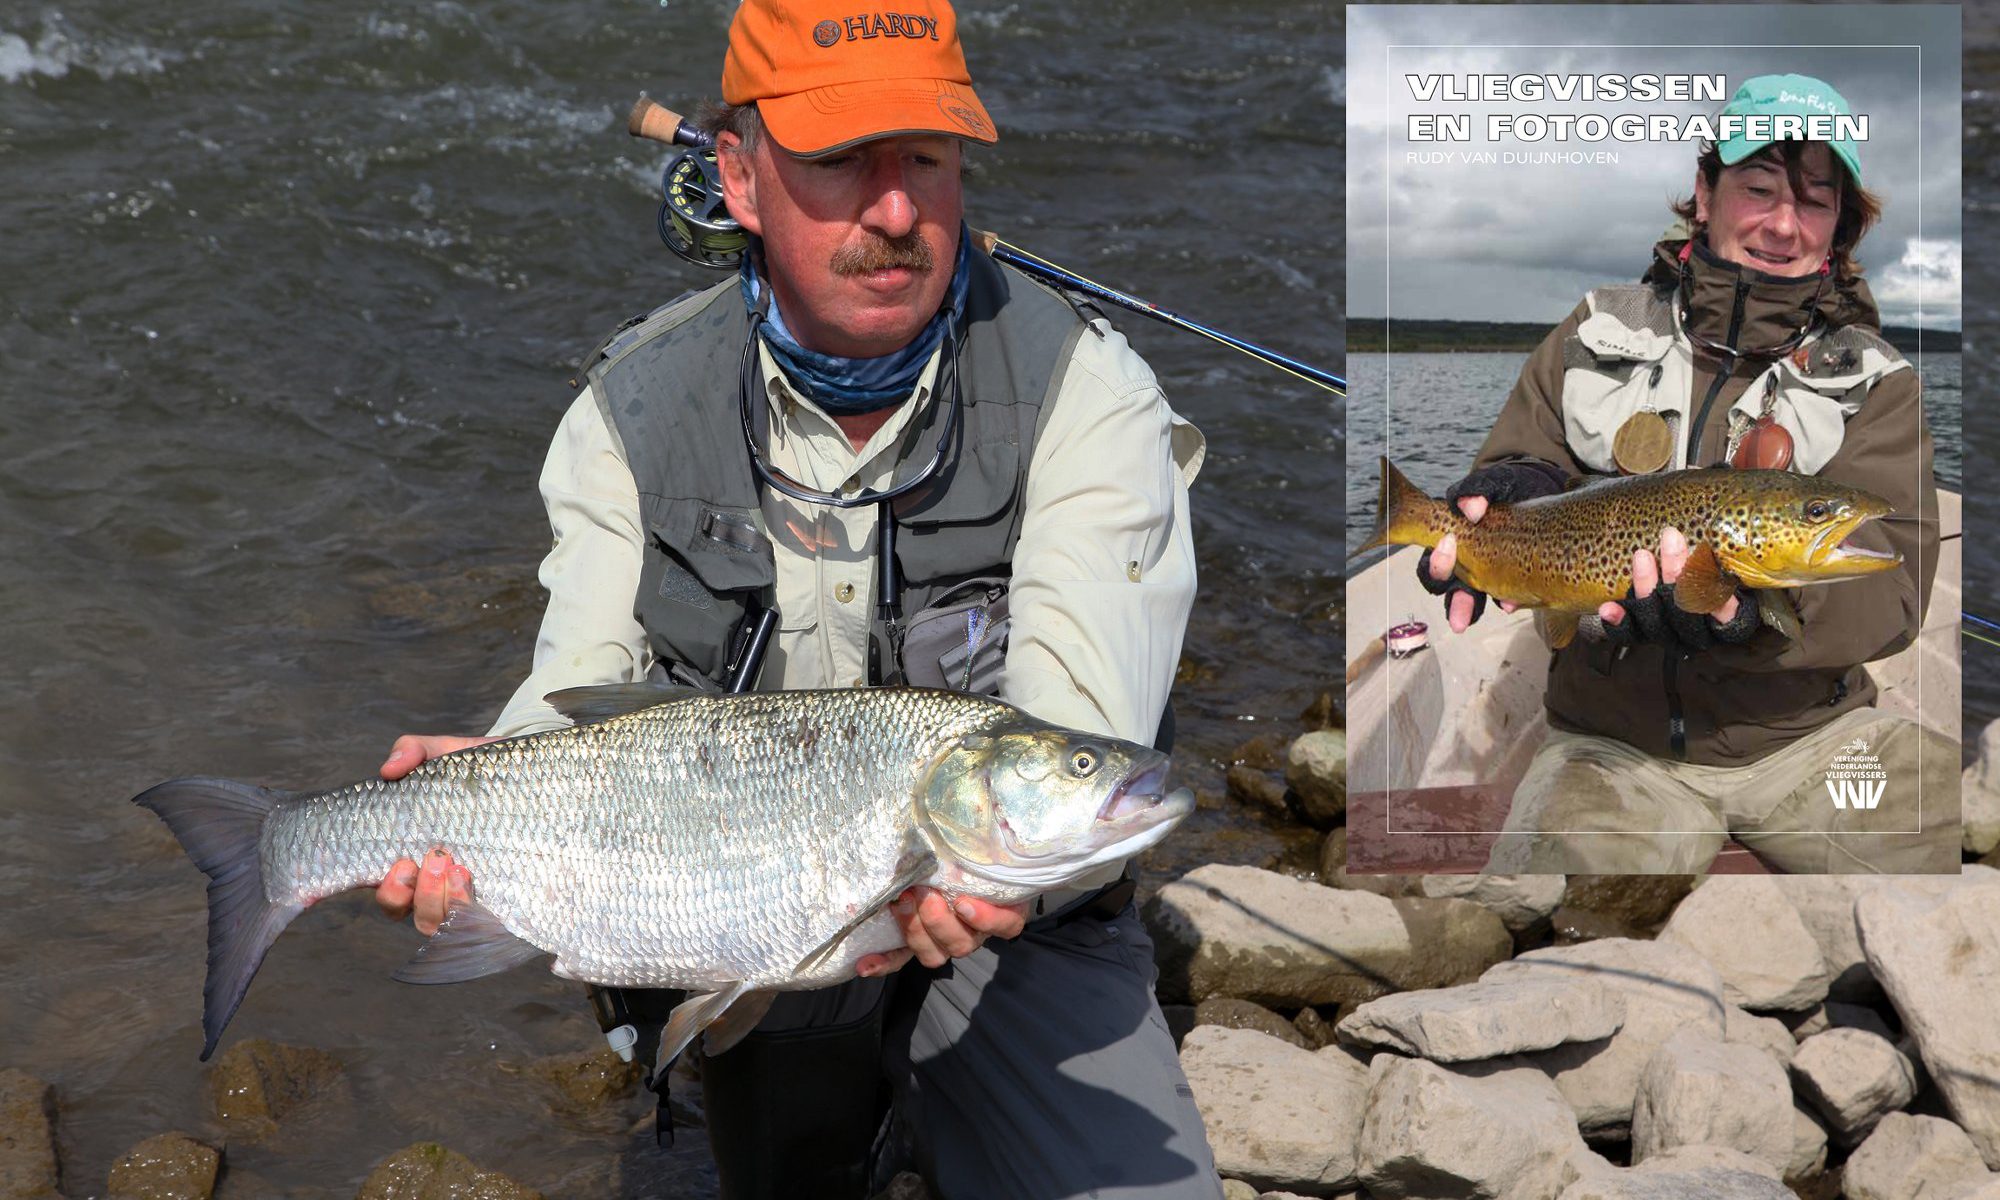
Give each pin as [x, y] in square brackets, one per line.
[289, 294]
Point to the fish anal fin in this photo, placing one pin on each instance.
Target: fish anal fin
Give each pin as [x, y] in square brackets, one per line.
[732, 1026]
[1778, 611]
[691, 1016]
[471, 943]
[1556, 626]
[1703, 586]
[589, 705]
[913, 872]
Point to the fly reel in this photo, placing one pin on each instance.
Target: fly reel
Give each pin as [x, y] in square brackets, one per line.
[693, 222]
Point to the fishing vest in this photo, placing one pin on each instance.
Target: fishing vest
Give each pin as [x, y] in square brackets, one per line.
[1629, 356]
[667, 387]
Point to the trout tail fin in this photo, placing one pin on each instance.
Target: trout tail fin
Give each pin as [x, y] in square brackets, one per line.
[219, 823]
[1403, 513]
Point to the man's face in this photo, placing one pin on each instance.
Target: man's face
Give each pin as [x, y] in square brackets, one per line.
[859, 246]
[1756, 221]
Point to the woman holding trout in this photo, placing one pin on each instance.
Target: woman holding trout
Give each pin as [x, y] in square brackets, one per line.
[1751, 341]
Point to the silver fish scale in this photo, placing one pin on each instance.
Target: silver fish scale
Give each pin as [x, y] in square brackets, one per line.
[685, 845]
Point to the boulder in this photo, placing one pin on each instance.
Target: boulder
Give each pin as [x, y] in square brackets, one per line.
[1243, 1014]
[1641, 903]
[1694, 1158]
[586, 1080]
[1236, 1189]
[1980, 795]
[1430, 1132]
[1746, 928]
[1983, 1189]
[1316, 767]
[1853, 1079]
[1287, 943]
[1523, 903]
[428, 1171]
[1836, 1015]
[1908, 1157]
[1486, 1019]
[256, 1082]
[1698, 1090]
[1766, 1033]
[1825, 903]
[1691, 1183]
[1808, 1146]
[1665, 988]
[168, 1166]
[28, 1164]
[1314, 1028]
[1938, 957]
[1333, 858]
[1277, 1116]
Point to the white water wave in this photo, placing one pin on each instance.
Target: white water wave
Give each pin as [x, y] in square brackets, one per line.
[57, 50]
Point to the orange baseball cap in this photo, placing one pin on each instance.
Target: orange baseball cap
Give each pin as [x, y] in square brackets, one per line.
[825, 76]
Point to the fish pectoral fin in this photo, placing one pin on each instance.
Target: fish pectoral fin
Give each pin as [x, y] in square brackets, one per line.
[693, 1015]
[1556, 626]
[471, 942]
[1703, 586]
[589, 705]
[1778, 611]
[731, 1027]
[916, 871]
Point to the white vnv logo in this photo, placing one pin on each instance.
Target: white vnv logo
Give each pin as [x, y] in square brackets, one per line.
[1856, 793]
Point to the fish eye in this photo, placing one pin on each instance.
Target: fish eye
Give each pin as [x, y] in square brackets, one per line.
[1817, 510]
[1082, 763]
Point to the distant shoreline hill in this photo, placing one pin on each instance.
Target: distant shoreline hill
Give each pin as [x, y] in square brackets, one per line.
[1369, 335]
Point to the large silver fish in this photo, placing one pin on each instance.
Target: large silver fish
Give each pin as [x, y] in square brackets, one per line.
[732, 845]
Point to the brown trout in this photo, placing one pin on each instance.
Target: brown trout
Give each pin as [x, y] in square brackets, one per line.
[733, 845]
[1569, 553]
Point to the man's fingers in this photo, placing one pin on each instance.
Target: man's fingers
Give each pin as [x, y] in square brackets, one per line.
[916, 935]
[1474, 507]
[433, 892]
[1506, 606]
[1727, 612]
[882, 964]
[989, 919]
[405, 756]
[1673, 554]
[1443, 556]
[1459, 616]
[1611, 612]
[946, 931]
[1645, 573]
[398, 890]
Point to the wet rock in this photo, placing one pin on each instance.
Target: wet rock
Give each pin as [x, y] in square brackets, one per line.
[1980, 795]
[170, 1166]
[1236, 1189]
[1243, 1014]
[1277, 1116]
[1853, 1078]
[1808, 1146]
[1430, 1132]
[586, 1080]
[1257, 935]
[28, 1165]
[1574, 926]
[1265, 752]
[1316, 768]
[1939, 959]
[1486, 1019]
[1259, 789]
[255, 1083]
[1746, 928]
[1523, 903]
[1317, 1031]
[1333, 858]
[1665, 987]
[1766, 1033]
[1909, 1157]
[428, 1171]
[1323, 713]
[1698, 1090]
[1641, 903]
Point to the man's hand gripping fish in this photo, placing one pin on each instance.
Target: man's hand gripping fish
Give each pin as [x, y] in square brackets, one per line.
[1569, 553]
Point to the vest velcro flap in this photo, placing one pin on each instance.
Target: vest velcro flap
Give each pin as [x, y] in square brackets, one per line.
[978, 486]
[722, 547]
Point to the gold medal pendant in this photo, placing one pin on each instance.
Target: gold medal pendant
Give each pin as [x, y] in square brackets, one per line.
[1643, 444]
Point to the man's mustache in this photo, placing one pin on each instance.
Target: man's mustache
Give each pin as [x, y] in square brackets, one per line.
[910, 251]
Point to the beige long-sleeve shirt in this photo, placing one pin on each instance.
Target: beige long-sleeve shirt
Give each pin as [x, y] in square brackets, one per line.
[1103, 572]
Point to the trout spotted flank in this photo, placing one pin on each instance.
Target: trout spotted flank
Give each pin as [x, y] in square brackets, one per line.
[1569, 553]
[732, 845]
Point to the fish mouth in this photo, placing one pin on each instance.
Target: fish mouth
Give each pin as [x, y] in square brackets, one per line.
[1144, 796]
[1830, 554]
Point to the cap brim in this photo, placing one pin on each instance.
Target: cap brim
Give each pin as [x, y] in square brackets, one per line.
[1735, 150]
[830, 119]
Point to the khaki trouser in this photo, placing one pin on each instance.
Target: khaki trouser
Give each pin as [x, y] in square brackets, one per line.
[1597, 806]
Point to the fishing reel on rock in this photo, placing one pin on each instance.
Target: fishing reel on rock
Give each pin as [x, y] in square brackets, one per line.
[693, 222]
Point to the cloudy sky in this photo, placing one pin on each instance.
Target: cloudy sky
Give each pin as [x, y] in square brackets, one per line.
[1523, 241]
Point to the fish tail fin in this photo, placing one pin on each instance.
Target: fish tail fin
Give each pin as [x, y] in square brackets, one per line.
[1404, 514]
[219, 823]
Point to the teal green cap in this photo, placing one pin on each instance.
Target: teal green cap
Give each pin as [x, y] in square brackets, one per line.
[1774, 95]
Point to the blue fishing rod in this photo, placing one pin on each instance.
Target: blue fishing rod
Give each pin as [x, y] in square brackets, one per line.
[1976, 619]
[695, 225]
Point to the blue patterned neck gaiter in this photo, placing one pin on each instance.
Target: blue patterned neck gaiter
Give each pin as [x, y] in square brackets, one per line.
[849, 386]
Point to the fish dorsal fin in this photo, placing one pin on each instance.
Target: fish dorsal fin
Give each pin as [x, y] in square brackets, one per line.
[1703, 586]
[690, 1017]
[471, 942]
[1557, 627]
[589, 705]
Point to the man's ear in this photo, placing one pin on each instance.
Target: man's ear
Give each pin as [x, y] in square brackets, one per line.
[739, 181]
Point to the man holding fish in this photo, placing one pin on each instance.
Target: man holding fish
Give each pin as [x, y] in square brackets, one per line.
[1700, 704]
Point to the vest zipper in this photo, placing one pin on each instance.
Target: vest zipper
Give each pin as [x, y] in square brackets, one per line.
[1670, 672]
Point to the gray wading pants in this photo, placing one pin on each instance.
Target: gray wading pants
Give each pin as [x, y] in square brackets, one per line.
[1033, 1068]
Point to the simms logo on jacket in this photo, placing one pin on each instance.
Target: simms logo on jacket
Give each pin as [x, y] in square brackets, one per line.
[1856, 779]
[874, 25]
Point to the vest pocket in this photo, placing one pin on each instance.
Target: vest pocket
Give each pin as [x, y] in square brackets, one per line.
[703, 566]
[959, 641]
[965, 525]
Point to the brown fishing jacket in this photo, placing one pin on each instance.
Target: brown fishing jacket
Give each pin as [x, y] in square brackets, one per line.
[1855, 412]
